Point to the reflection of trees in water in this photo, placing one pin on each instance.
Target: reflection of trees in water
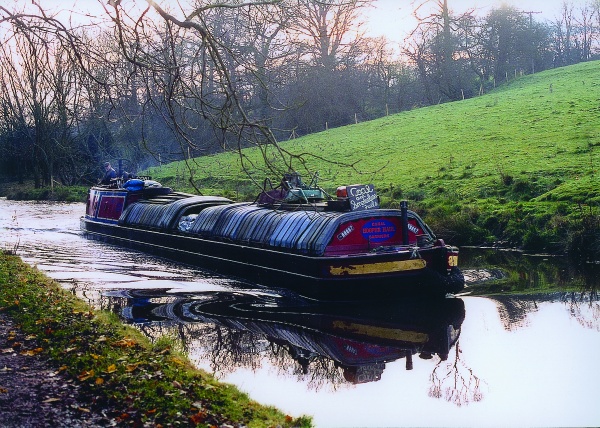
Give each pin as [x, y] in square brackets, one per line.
[320, 372]
[226, 350]
[583, 306]
[223, 348]
[454, 381]
[229, 349]
[314, 369]
[513, 311]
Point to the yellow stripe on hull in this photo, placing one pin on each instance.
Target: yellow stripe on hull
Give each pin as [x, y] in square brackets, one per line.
[381, 267]
[382, 332]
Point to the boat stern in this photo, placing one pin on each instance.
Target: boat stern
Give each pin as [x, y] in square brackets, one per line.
[105, 205]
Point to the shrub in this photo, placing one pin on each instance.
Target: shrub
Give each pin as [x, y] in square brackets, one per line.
[507, 179]
[536, 241]
[416, 195]
[583, 238]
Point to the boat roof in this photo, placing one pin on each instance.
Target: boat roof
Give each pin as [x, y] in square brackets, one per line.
[302, 231]
[163, 212]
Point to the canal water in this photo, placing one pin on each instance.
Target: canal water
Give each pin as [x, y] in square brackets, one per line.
[525, 360]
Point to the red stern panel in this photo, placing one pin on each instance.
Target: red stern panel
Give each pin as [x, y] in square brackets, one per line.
[367, 233]
[106, 206]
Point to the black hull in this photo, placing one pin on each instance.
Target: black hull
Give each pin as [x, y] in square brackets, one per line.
[302, 274]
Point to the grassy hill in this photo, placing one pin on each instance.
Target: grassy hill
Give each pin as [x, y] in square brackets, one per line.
[517, 166]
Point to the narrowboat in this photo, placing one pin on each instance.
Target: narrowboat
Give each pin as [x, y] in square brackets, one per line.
[293, 236]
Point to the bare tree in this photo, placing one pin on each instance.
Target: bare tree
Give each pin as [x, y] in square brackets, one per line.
[585, 35]
[203, 82]
[563, 29]
[180, 68]
[381, 69]
[260, 48]
[329, 31]
[455, 382]
[40, 100]
[436, 48]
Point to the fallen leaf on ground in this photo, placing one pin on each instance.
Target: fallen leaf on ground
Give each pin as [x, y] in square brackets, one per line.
[125, 343]
[85, 375]
[177, 361]
[198, 418]
[131, 367]
[32, 352]
[123, 416]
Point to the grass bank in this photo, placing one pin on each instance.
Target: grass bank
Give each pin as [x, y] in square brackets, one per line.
[517, 167]
[143, 382]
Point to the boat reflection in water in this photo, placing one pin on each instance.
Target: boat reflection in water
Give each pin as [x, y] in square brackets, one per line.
[345, 342]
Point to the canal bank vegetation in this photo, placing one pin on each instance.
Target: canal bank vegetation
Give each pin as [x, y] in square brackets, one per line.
[118, 369]
[26, 191]
[517, 167]
[491, 272]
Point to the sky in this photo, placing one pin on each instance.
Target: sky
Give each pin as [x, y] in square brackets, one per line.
[390, 18]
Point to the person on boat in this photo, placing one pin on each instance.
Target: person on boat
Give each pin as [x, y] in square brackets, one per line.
[109, 174]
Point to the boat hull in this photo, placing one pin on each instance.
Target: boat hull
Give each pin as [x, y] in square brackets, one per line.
[363, 276]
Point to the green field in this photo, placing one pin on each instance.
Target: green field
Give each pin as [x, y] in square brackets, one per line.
[517, 166]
